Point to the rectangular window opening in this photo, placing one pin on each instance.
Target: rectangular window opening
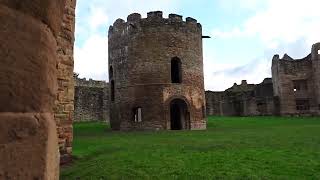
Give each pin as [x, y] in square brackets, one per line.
[300, 85]
[302, 105]
[138, 114]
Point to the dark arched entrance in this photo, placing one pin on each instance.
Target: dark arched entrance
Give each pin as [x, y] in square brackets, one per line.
[179, 115]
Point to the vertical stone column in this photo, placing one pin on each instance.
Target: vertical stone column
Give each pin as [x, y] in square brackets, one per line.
[64, 104]
[28, 84]
[315, 54]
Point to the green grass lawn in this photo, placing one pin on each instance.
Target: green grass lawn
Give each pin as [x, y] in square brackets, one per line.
[231, 148]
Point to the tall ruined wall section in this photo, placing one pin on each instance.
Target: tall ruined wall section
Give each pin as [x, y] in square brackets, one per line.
[295, 83]
[242, 100]
[65, 96]
[28, 86]
[91, 100]
[213, 103]
[315, 55]
[140, 54]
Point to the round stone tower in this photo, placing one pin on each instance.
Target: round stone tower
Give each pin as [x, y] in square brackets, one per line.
[156, 73]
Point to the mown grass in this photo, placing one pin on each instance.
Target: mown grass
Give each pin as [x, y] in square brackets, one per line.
[231, 148]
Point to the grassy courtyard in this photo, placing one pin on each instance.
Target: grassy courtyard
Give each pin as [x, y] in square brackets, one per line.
[231, 148]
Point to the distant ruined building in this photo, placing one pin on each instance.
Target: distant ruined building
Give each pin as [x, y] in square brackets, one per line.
[242, 100]
[156, 73]
[91, 100]
[293, 90]
[296, 83]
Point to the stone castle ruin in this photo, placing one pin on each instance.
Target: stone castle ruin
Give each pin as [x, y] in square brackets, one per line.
[156, 82]
[91, 100]
[156, 73]
[296, 82]
[242, 100]
[293, 90]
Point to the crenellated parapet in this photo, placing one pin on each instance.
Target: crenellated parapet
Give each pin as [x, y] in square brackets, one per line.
[135, 23]
[83, 82]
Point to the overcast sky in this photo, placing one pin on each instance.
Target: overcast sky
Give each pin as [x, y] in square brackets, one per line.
[246, 34]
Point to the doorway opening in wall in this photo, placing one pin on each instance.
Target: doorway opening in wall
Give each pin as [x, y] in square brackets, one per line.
[176, 74]
[179, 115]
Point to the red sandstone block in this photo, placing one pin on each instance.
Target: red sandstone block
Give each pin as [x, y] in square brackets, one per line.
[27, 78]
[48, 11]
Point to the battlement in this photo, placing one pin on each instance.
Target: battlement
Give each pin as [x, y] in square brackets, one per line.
[154, 18]
[315, 51]
[83, 82]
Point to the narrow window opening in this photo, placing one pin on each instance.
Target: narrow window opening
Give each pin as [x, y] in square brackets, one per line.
[112, 90]
[137, 114]
[300, 86]
[110, 72]
[176, 74]
[319, 52]
[302, 105]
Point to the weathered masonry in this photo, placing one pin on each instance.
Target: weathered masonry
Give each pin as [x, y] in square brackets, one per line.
[296, 83]
[63, 111]
[29, 39]
[243, 100]
[91, 100]
[156, 73]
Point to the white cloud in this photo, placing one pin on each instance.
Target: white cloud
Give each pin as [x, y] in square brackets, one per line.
[98, 18]
[286, 26]
[92, 58]
[284, 21]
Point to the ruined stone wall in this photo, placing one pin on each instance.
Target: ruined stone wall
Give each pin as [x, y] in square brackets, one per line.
[213, 103]
[316, 72]
[242, 100]
[91, 100]
[295, 81]
[64, 100]
[28, 86]
[140, 54]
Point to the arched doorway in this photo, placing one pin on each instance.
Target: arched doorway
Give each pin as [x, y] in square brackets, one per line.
[179, 115]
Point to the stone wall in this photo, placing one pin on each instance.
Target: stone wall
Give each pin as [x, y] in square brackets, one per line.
[296, 83]
[91, 100]
[242, 100]
[142, 52]
[64, 99]
[28, 86]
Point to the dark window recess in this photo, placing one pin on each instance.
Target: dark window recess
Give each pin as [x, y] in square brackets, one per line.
[137, 114]
[110, 73]
[300, 85]
[302, 105]
[176, 74]
[112, 90]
